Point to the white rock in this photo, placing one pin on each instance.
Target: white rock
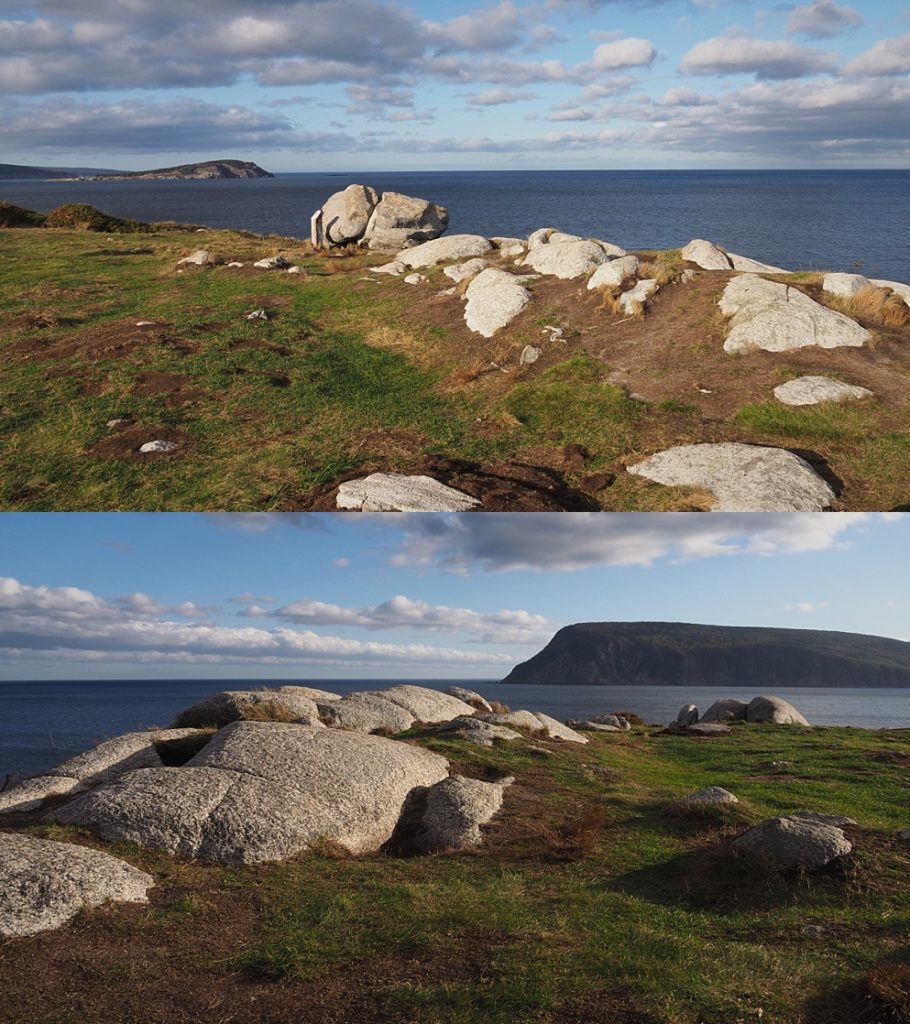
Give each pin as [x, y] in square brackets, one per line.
[145, 323]
[199, 258]
[396, 268]
[425, 704]
[726, 710]
[744, 264]
[365, 711]
[903, 290]
[615, 273]
[844, 286]
[540, 237]
[557, 730]
[415, 279]
[566, 260]
[494, 299]
[272, 263]
[444, 250]
[257, 314]
[529, 354]
[789, 843]
[121, 421]
[615, 252]
[775, 710]
[234, 705]
[395, 492]
[400, 221]
[462, 271]
[475, 730]
[346, 214]
[151, 447]
[535, 721]
[296, 270]
[510, 246]
[44, 884]
[476, 701]
[814, 390]
[709, 795]
[706, 255]
[638, 296]
[777, 318]
[456, 808]
[742, 478]
[235, 264]
[616, 721]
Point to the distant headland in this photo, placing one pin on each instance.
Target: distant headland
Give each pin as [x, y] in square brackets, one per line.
[205, 171]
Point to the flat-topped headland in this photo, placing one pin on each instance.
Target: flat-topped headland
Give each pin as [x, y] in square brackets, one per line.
[388, 364]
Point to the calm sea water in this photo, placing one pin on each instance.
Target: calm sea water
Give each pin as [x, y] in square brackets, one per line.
[797, 219]
[41, 724]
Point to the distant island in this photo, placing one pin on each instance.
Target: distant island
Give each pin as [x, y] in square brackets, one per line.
[206, 171]
[683, 654]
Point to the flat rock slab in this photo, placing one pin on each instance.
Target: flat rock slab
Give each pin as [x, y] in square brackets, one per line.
[395, 492]
[263, 791]
[425, 704]
[494, 299]
[235, 705]
[444, 250]
[44, 884]
[815, 390]
[566, 260]
[456, 808]
[475, 730]
[789, 843]
[742, 477]
[777, 318]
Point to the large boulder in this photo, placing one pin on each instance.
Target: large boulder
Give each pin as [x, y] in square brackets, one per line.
[399, 222]
[264, 791]
[235, 705]
[635, 299]
[425, 704]
[535, 722]
[346, 214]
[688, 715]
[775, 710]
[742, 477]
[903, 290]
[445, 250]
[785, 844]
[844, 286]
[494, 299]
[476, 730]
[614, 274]
[365, 711]
[815, 390]
[616, 721]
[459, 272]
[396, 492]
[748, 265]
[726, 710]
[566, 260]
[106, 761]
[777, 318]
[476, 701]
[706, 255]
[455, 810]
[44, 884]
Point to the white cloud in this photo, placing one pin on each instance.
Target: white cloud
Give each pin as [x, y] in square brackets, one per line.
[557, 542]
[822, 19]
[499, 97]
[624, 53]
[765, 58]
[887, 57]
[50, 621]
[403, 613]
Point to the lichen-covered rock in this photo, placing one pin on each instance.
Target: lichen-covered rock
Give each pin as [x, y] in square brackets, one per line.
[470, 697]
[774, 710]
[44, 884]
[365, 711]
[789, 843]
[30, 794]
[476, 730]
[838, 820]
[742, 477]
[402, 221]
[455, 810]
[535, 722]
[425, 704]
[397, 492]
[235, 705]
[264, 791]
[566, 260]
[494, 299]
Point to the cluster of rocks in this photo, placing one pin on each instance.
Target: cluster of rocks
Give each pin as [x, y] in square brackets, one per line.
[359, 214]
[203, 258]
[764, 709]
[252, 776]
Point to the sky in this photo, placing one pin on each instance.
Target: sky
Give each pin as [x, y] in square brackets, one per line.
[438, 596]
[347, 85]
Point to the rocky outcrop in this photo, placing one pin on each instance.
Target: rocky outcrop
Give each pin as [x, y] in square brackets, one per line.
[395, 492]
[566, 260]
[465, 271]
[494, 299]
[787, 844]
[777, 318]
[455, 811]
[844, 286]
[234, 705]
[476, 701]
[445, 250]
[44, 884]
[427, 705]
[365, 711]
[688, 715]
[402, 221]
[476, 730]
[775, 710]
[709, 256]
[726, 710]
[615, 273]
[742, 477]
[263, 792]
[346, 214]
[535, 722]
[815, 390]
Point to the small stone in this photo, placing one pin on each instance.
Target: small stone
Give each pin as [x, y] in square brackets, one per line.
[415, 279]
[708, 796]
[234, 263]
[529, 355]
[296, 270]
[158, 447]
[815, 390]
[257, 314]
[199, 258]
[123, 421]
[145, 323]
[272, 263]
[396, 268]
[638, 296]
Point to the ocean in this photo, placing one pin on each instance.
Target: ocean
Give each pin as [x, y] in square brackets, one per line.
[800, 220]
[43, 723]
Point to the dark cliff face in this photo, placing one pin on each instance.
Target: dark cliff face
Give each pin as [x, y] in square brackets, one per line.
[680, 654]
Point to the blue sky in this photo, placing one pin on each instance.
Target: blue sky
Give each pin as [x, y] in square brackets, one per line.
[390, 84]
[310, 596]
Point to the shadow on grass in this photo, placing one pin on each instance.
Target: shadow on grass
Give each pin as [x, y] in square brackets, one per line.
[880, 995]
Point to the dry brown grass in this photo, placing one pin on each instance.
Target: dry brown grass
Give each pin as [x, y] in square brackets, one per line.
[663, 271]
[887, 987]
[879, 305]
[268, 711]
[499, 708]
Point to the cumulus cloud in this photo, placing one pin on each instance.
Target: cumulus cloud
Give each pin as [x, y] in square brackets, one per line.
[70, 622]
[887, 57]
[493, 28]
[403, 613]
[624, 53]
[822, 19]
[765, 58]
[499, 97]
[560, 543]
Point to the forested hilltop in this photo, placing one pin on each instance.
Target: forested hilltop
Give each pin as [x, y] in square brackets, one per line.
[684, 654]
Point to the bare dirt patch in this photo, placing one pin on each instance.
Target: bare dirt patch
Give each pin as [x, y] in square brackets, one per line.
[174, 386]
[125, 444]
[114, 340]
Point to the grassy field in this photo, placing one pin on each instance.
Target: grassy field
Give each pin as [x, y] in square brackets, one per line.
[351, 373]
[591, 900]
